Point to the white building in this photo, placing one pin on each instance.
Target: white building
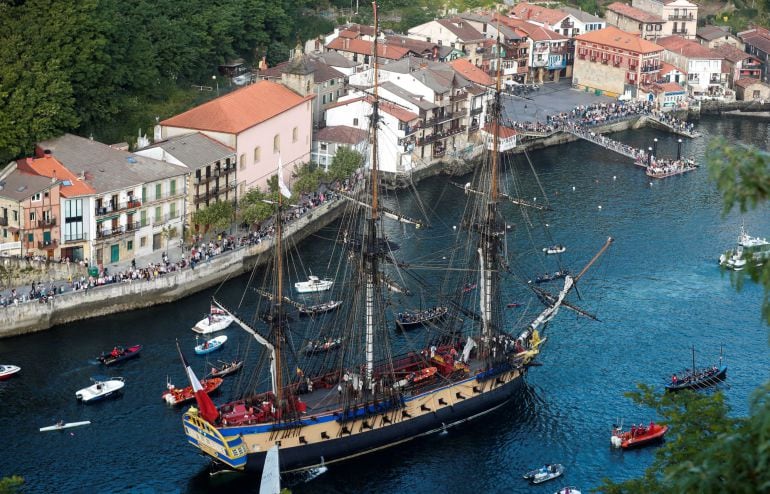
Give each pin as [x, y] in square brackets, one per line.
[703, 65]
[328, 140]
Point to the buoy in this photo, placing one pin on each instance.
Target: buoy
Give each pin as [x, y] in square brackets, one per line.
[547, 224]
[650, 184]
[573, 187]
[614, 177]
[600, 206]
[534, 198]
[454, 227]
[444, 258]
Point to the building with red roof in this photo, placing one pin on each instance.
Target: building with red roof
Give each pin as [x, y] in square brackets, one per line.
[262, 122]
[630, 19]
[705, 77]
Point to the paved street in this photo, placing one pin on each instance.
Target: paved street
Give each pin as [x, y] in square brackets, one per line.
[551, 98]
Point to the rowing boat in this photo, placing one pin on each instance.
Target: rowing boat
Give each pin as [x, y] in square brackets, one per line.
[61, 426]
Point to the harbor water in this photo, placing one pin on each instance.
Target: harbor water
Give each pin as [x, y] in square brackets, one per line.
[658, 291]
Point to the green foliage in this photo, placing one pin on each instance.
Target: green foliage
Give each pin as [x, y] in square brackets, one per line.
[218, 215]
[307, 178]
[11, 485]
[345, 162]
[253, 208]
[742, 175]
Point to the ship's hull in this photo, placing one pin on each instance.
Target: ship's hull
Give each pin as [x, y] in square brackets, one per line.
[426, 416]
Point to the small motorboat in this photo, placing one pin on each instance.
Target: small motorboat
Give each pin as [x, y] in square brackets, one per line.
[638, 436]
[733, 259]
[409, 320]
[568, 490]
[746, 240]
[6, 371]
[311, 310]
[177, 396]
[61, 425]
[555, 249]
[225, 369]
[513, 305]
[469, 287]
[211, 345]
[313, 284]
[100, 390]
[545, 473]
[557, 275]
[421, 375]
[119, 354]
[213, 323]
[322, 346]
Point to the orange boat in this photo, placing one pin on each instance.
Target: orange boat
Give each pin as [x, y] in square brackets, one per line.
[177, 396]
[422, 374]
[638, 436]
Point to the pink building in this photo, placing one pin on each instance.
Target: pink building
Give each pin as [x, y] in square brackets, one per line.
[261, 122]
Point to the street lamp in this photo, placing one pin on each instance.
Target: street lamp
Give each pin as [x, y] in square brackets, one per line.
[214, 78]
[679, 149]
[649, 156]
[655, 146]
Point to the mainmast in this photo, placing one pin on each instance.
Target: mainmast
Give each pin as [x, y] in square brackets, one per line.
[277, 316]
[372, 244]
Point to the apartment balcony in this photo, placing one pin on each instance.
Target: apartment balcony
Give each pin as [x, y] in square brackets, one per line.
[681, 30]
[114, 207]
[77, 237]
[437, 120]
[681, 17]
[46, 223]
[3, 221]
[107, 233]
[163, 197]
[477, 111]
[461, 96]
[204, 179]
[650, 68]
[440, 135]
[47, 245]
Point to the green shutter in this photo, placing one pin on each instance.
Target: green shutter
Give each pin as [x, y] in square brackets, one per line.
[172, 209]
[157, 213]
[173, 187]
[143, 217]
[144, 195]
[157, 191]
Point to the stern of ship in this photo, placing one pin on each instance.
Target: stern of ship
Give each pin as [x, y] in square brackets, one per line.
[229, 450]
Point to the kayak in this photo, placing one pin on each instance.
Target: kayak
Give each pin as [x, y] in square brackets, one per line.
[62, 426]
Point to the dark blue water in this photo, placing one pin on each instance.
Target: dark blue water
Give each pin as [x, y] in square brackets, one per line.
[657, 292]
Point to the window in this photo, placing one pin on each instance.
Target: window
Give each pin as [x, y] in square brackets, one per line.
[658, 27]
[307, 87]
[130, 245]
[15, 216]
[32, 216]
[331, 82]
[172, 210]
[257, 154]
[242, 161]
[324, 146]
[157, 191]
[755, 94]
[649, 27]
[172, 188]
[30, 237]
[277, 143]
[355, 122]
[36, 197]
[5, 233]
[294, 134]
[143, 220]
[157, 214]
[144, 194]
[323, 99]
[143, 241]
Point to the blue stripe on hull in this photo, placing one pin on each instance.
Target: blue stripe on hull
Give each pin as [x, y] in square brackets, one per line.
[338, 449]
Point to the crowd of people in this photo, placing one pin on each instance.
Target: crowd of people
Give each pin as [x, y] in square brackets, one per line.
[200, 250]
[660, 168]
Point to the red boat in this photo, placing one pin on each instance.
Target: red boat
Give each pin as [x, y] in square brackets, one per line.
[422, 374]
[119, 354]
[6, 371]
[638, 436]
[177, 396]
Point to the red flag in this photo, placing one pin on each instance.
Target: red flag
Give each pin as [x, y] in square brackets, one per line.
[207, 408]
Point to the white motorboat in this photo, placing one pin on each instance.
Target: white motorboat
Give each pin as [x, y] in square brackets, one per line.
[544, 473]
[64, 425]
[568, 490]
[213, 323]
[211, 345]
[6, 371]
[100, 390]
[746, 240]
[555, 249]
[313, 284]
[733, 259]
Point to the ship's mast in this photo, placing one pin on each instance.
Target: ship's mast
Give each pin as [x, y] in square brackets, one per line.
[277, 316]
[372, 242]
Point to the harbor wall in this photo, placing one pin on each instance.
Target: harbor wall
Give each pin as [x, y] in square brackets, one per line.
[119, 297]
[20, 272]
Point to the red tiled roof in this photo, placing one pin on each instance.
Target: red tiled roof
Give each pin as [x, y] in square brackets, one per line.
[363, 47]
[341, 134]
[688, 48]
[670, 87]
[731, 53]
[240, 110]
[502, 131]
[461, 28]
[537, 13]
[397, 111]
[615, 38]
[347, 33]
[745, 82]
[665, 68]
[474, 74]
[532, 31]
[633, 13]
[48, 166]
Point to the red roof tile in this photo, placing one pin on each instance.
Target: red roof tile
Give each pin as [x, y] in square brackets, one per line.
[633, 13]
[48, 166]
[688, 48]
[466, 69]
[240, 110]
[537, 13]
[745, 82]
[615, 38]
[363, 47]
[393, 109]
[502, 131]
[665, 68]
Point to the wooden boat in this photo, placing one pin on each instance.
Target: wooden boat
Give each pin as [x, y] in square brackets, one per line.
[638, 436]
[695, 378]
[409, 320]
[545, 473]
[555, 249]
[119, 354]
[319, 346]
[6, 371]
[64, 425]
[225, 369]
[311, 310]
[422, 375]
[100, 390]
[177, 396]
[211, 345]
[313, 284]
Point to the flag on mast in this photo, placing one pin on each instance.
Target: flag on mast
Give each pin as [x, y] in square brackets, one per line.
[281, 184]
[207, 408]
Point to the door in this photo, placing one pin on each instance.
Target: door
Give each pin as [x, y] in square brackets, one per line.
[115, 253]
[156, 241]
[46, 238]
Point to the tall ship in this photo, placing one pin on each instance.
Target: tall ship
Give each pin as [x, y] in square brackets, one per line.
[364, 393]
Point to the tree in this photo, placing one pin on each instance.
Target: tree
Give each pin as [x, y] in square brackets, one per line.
[218, 215]
[254, 209]
[345, 162]
[707, 451]
[307, 178]
[11, 485]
